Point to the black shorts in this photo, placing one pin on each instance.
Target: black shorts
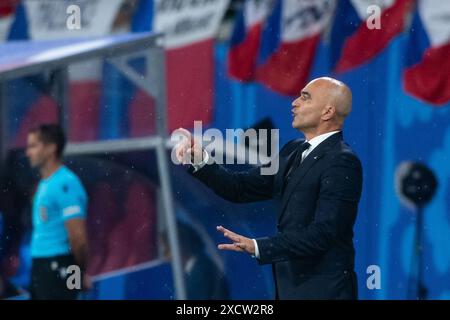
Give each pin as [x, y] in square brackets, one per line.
[49, 279]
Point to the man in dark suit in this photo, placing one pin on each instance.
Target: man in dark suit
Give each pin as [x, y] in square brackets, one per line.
[317, 188]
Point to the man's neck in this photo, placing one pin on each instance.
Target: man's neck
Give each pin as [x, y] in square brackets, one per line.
[311, 134]
[49, 168]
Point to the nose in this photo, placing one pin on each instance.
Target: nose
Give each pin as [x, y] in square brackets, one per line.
[296, 103]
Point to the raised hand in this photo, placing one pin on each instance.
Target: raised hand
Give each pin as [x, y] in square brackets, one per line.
[240, 243]
[188, 150]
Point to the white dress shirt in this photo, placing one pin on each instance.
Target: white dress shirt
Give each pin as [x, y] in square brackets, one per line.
[314, 142]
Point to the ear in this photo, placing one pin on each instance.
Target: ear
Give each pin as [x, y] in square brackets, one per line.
[328, 112]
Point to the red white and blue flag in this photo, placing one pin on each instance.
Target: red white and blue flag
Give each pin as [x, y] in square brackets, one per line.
[428, 63]
[7, 10]
[354, 38]
[246, 39]
[289, 42]
[85, 84]
[190, 28]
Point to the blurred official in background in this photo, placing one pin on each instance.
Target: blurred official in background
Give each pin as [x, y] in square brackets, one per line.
[59, 237]
[317, 189]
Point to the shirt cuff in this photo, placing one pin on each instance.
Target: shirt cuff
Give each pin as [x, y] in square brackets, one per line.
[256, 249]
[200, 165]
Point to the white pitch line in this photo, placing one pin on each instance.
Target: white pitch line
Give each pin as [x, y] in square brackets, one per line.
[131, 269]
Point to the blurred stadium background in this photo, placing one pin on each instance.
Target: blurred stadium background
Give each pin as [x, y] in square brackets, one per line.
[119, 90]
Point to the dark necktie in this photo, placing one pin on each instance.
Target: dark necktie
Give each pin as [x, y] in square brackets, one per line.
[296, 162]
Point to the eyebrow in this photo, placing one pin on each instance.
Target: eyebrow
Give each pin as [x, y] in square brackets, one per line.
[306, 93]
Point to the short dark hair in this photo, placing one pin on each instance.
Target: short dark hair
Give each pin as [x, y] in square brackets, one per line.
[51, 133]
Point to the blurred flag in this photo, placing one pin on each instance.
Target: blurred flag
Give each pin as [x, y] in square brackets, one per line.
[428, 64]
[7, 9]
[246, 38]
[190, 28]
[289, 42]
[47, 20]
[355, 40]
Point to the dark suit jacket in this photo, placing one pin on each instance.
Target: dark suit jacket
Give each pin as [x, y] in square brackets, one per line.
[312, 253]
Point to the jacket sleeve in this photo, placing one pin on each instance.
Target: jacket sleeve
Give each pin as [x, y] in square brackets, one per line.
[340, 191]
[241, 187]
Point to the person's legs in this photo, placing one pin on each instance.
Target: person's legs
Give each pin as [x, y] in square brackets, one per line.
[62, 291]
[37, 279]
[49, 279]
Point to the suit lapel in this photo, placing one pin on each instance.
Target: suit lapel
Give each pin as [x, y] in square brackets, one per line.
[279, 178]
[305, 166]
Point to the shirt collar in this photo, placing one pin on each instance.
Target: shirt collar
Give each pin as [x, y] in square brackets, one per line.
[54, 173]
[314, 142]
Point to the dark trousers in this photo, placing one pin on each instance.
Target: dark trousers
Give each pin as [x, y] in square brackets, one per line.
[49, 278]
[339, 285]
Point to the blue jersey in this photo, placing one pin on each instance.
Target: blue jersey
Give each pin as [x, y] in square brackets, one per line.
[58, 198]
